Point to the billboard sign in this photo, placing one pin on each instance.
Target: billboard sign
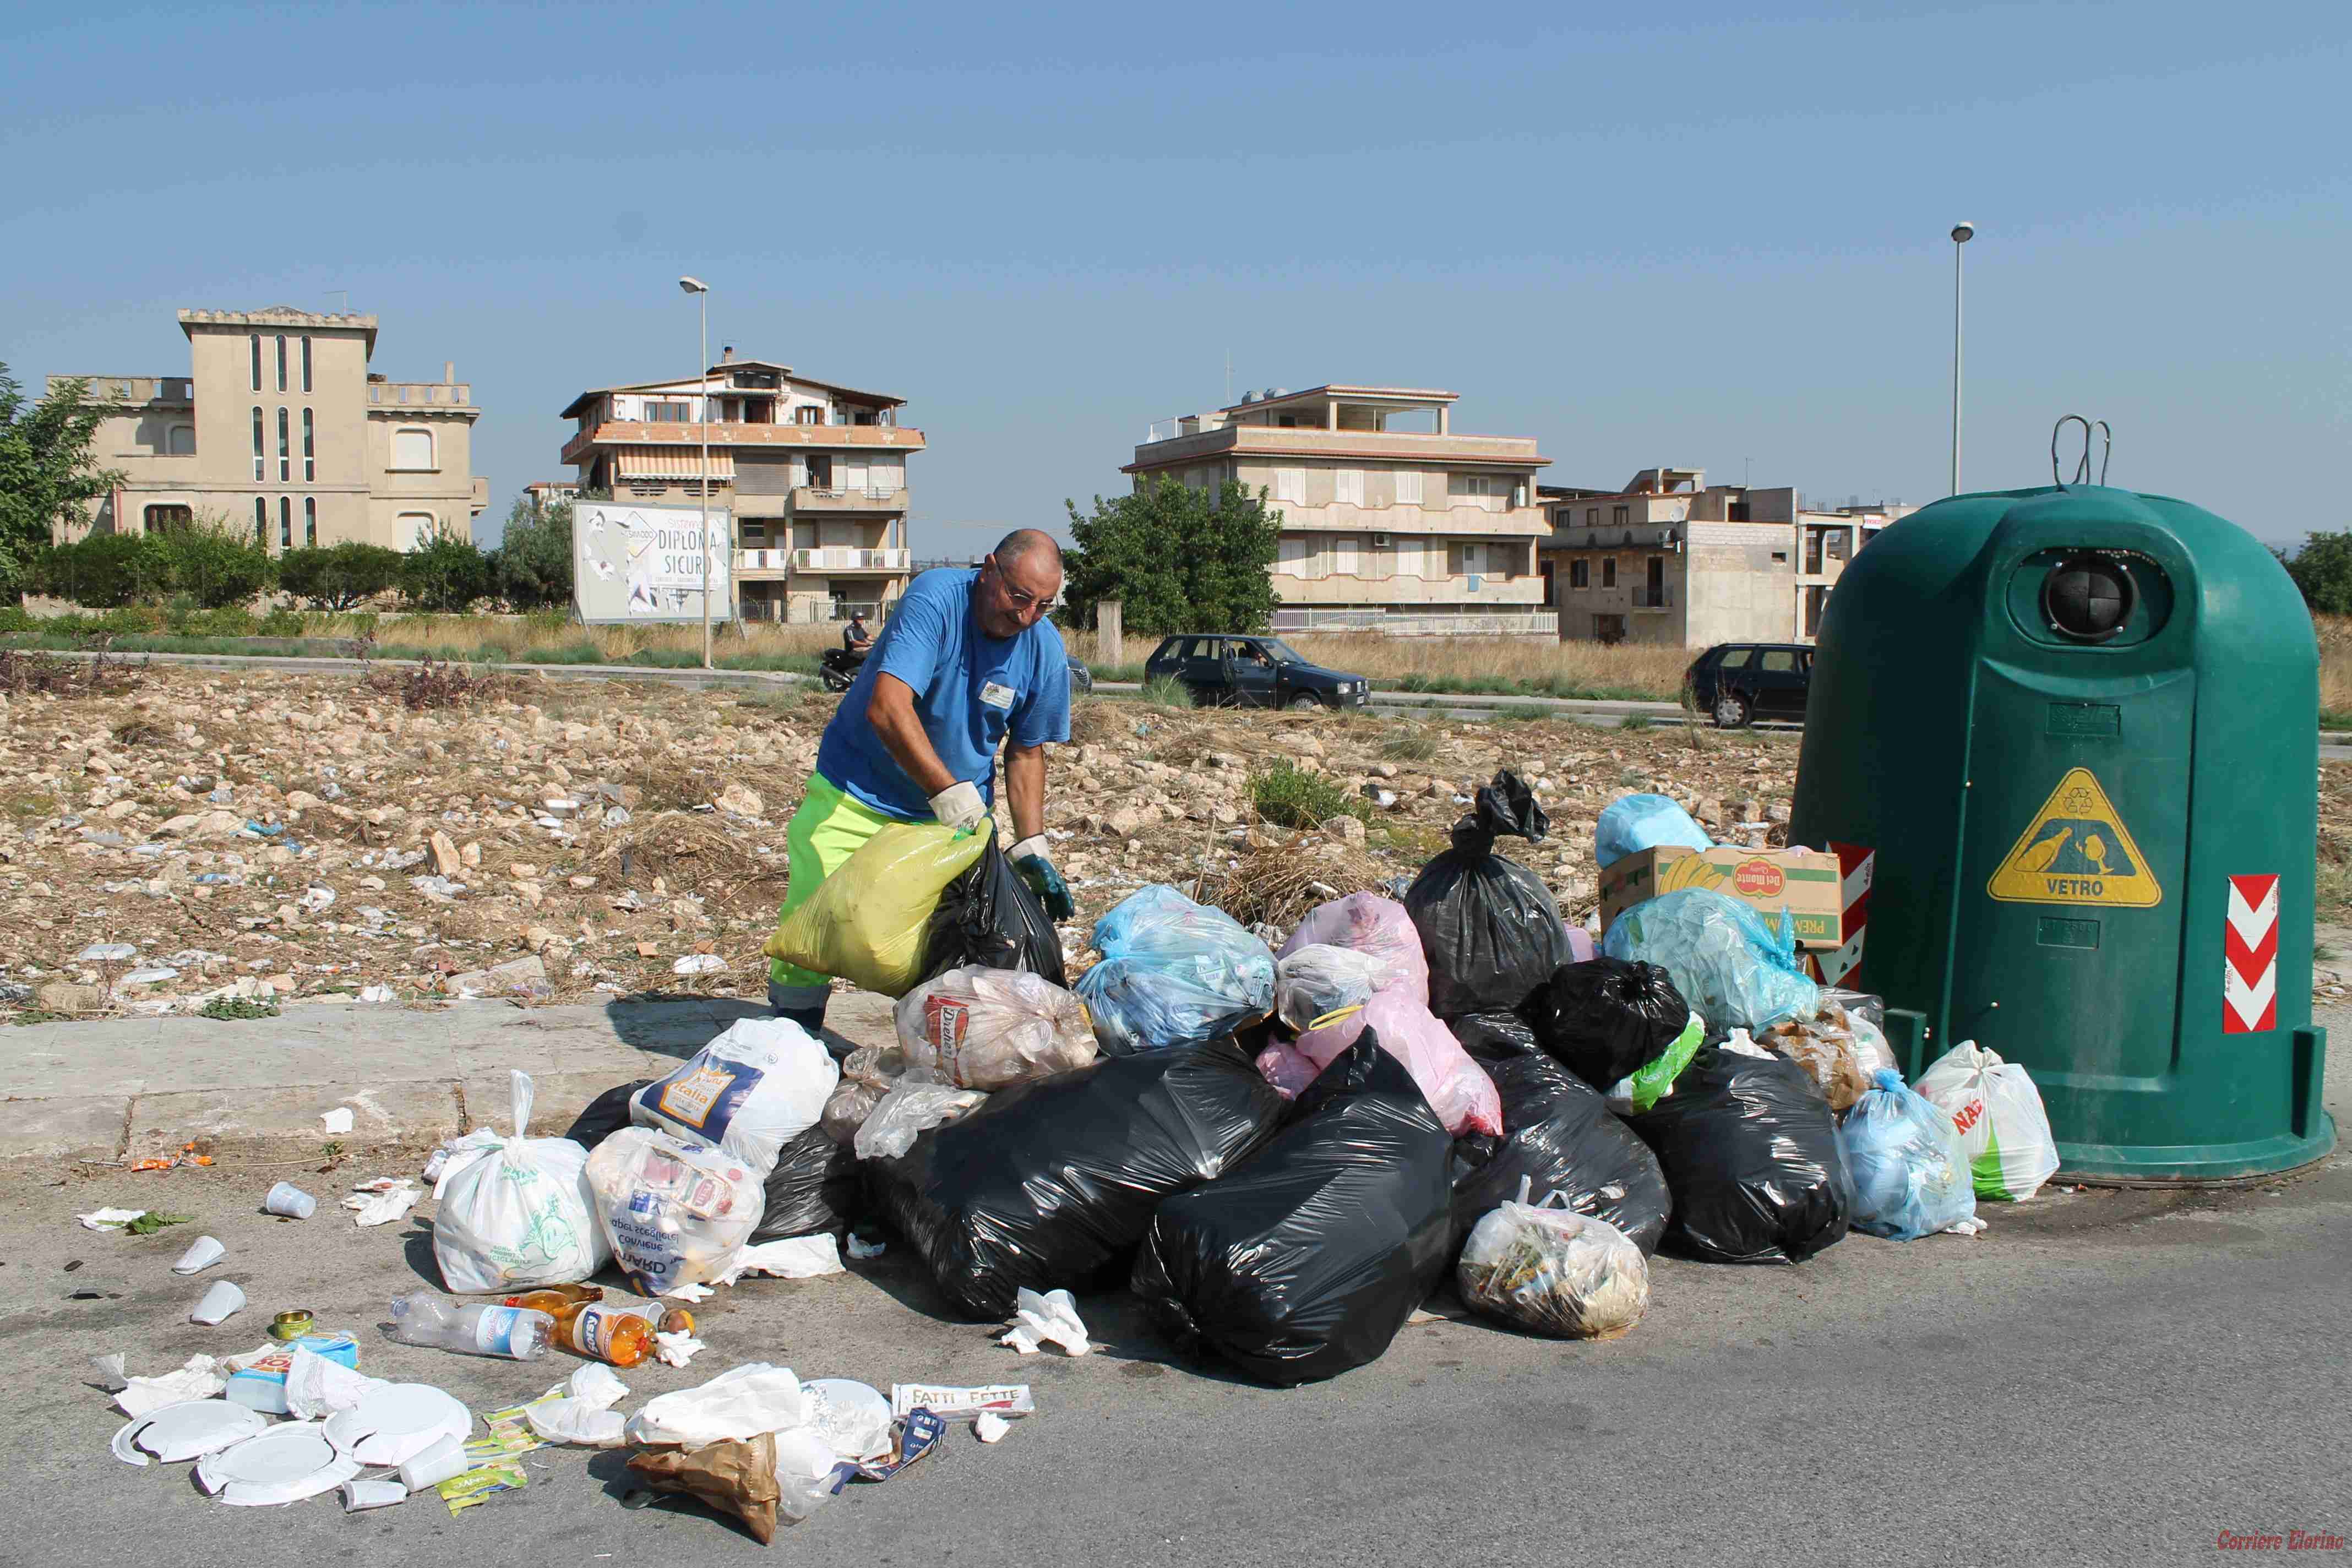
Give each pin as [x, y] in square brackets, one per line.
[640, 564]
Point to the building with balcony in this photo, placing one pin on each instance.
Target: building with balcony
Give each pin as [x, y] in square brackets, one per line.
[1391, 520]
[1671, 559]
[813, 474]
[280, 426]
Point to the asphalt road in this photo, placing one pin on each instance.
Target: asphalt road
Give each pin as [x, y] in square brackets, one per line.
[2104, 1377]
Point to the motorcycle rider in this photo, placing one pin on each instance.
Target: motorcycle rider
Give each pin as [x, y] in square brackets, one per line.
[855, 640]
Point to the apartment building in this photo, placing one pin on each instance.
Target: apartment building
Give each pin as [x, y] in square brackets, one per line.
[813, 474]
[1672, 559]
[1391, 519]
[280, 426]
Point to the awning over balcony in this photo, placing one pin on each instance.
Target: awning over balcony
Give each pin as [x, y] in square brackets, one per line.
[672, 463]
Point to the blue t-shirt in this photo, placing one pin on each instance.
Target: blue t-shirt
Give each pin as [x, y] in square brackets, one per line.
[971, 691]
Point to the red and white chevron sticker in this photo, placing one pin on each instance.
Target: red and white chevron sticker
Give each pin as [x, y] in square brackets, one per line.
[2250, 948]
[1858, 867]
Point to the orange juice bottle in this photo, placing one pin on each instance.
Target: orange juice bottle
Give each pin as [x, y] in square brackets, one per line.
[558, 1301]
[606, 1334]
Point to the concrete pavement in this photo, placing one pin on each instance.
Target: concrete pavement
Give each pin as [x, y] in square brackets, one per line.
[128, 1089]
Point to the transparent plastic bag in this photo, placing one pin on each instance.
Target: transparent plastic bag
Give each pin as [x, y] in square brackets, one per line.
[908, 1111]
[869, 922]
[1632, 823]
[985, 1028]
[515, 1211]
[1725, 961]
[675, 1213]
[1370, 925]
[754, 1089]
[1173, 972]
[867, 1074]
[2004, 1131]
[1910, 1177]
[1839, 1046]
[1317, 984]
[1554, 1271]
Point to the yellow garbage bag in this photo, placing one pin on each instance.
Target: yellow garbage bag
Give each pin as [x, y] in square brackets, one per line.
[867, 923]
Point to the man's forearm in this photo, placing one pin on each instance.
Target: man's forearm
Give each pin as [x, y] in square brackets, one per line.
[1024, 790]
[891, 711]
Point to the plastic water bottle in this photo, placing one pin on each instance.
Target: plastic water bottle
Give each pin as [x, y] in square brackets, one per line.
[423, 1318]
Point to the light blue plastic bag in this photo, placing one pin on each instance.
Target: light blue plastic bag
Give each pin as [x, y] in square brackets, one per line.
[1173, 972]
[1632, 823]
[1726, 962]
[1910, 1178]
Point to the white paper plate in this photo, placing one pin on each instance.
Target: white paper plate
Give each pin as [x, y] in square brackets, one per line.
[188, 1430]
[283, 1464]
[396, 1422]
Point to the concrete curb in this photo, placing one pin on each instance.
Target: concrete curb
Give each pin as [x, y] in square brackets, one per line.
[115, 1090]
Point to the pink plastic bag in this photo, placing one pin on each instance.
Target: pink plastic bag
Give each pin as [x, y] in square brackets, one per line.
[1284, 1067]
[1368, 923]
[1457, 1088]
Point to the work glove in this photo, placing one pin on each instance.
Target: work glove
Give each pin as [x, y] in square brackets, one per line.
[960, 806]
[1028, 857]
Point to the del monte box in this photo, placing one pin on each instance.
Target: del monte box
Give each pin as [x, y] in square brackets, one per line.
[1804, 882]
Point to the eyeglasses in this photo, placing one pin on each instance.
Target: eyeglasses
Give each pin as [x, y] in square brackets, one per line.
[1020, 601]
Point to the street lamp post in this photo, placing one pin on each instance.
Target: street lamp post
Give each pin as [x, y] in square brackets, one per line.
[1961, 233]
[701, 292]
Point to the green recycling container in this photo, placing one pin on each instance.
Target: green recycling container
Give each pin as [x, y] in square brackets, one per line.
[2065, 743]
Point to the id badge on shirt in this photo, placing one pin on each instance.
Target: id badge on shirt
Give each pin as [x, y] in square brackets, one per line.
[996, 695]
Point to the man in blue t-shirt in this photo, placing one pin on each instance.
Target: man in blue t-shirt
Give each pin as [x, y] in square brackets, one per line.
[967, 663]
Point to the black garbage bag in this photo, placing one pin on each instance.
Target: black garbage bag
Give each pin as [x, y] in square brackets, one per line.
[1305, 1261]
[1487, 924]
[1559, 1135]
[1602, 1018]
[1751, 1151]
[989, 917]
[1051, 1182]
[814, 1186]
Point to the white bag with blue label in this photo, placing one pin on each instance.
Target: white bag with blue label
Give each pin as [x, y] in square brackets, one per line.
[748, 1092]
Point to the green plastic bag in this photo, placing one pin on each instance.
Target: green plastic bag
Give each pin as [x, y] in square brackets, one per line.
[1647, 1085]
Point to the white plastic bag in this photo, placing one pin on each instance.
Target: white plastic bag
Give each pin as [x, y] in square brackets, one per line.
[515, 1211]
[985, 1028]
[2004, 1131]
[741, 1403]
[906, 1111]
[1554, 1271]
[749, 1091]
[675, 1213]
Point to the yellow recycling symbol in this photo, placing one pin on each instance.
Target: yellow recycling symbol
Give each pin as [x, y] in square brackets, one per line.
[2077, 851]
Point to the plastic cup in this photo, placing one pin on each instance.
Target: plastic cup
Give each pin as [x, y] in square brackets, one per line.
[380, 1491]
[217, 1303]
[289, 1200]
[202, 1253]
[435, 1465]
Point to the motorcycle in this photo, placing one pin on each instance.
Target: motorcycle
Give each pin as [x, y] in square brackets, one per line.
[838, 668]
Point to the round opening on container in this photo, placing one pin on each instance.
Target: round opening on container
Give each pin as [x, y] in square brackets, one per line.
[2088, 596]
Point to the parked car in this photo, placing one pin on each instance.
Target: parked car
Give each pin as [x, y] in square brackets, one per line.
[1741, 682]
[1082, 680]
[1253, 672]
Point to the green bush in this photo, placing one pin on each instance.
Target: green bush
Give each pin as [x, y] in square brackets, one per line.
[212, 565]
[1289, 797]
[532, 563]
[106, 571]
[447, 575]
[1410, 743]
[340, 576]
[1166, 691]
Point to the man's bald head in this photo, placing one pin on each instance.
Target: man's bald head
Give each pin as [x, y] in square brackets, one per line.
[1017, 545]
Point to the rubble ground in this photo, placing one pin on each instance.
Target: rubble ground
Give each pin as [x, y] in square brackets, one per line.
[177, 839]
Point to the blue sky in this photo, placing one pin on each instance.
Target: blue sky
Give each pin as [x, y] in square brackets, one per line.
[1709, 237]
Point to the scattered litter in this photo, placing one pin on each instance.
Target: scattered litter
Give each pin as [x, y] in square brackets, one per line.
[199, 1377]
[202, 1253]
[260, 1380]
[378, 993]
[383, 1205]
[338, 1120]
[396, 1422]
[431, 1465]
[483, 1482]
[319, 1385]
[107, 952]
[1053, 1317]
[575, 1421]
[380, 1492]
[287, 1199]
[989, 1427]
[109, 1219]
[597, 1387]
[676, 1349]
[150, 975]
[796, 1258]
[698, 963]
[188, 1430]
[220, 1302]
[690, 1292]
[480, 1327]
[742, 1402]
[283, 1464]
[961, 1404]
[852, 1418]
[861, 1249]
[111, 1371]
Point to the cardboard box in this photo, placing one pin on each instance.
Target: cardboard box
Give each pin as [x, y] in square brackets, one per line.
[1805, 882]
